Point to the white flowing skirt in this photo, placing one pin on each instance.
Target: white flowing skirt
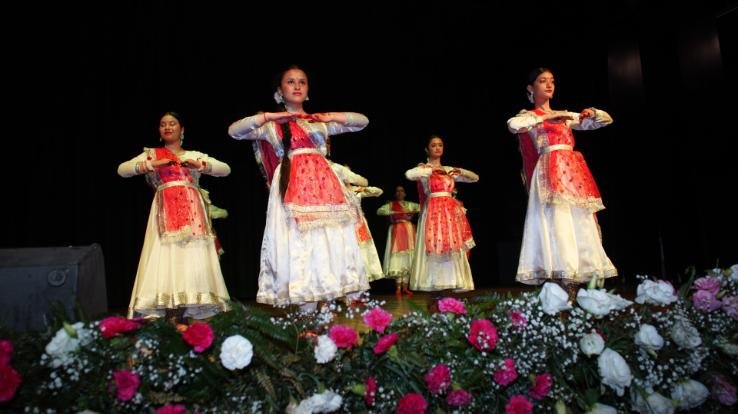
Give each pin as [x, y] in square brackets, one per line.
[296, 267]
[398, 265]
[432, 273]
[560, 241]
[177, 274]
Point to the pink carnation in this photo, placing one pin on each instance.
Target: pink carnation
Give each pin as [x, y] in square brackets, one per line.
[705, 301]
[710, 284]
[723, 390]
[10, 380]
[126, 384]
[483, 335]
[6, 350]
[343, 336]
[452, 305]
[438, 379]
[518, 319]
[412, 403]
[730, 306]
[378, 319]
[458, 398]
[172, 409]
[371, 391]
[113, 325]
[541, 386]
[518, 404]
[384, 343]
[507, 373]
[199, 335]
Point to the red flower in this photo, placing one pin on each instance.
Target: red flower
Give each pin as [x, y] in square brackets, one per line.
[483, 335]
[10, 379]
[438, 379]
[6, 349]
[378, 319]
[542, 386]
[452, 305]
[518, 404]
[384, 343]
[458, 398]
[507, 373]
[343, 336]
[199, 335]
[113, 325]
[371, 391]
[172, 409]
[518, 319]
[126, 384]
[412, 403]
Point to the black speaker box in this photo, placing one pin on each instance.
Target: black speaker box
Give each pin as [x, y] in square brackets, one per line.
[32, 279]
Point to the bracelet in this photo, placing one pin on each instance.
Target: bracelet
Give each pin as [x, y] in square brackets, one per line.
[265, 117]
[202, 166]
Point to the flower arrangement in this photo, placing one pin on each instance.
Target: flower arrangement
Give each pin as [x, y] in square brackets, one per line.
[664, 351]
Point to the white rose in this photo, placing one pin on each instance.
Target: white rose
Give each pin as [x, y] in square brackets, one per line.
[325, 402]
[655, 293]
[654, 403]
[592, 344]
[553, 298]
[325, 349]
[601, 409]
[614, 371]
[649, 338]
[236, 352]
[689, 394]
[62, 345]
[599, 303]
[685, 334]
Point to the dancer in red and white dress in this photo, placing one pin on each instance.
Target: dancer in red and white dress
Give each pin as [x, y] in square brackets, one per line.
[179, 273]
[444, 235]
[309, 251]
[400, 249]
[561, 238]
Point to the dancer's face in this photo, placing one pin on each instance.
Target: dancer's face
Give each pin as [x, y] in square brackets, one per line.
[543, 87]
[435, 148]
[294, 86]
[170, 129]
[400, 193]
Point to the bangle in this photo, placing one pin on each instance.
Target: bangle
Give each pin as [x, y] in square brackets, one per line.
[202, 166]
[265, 117]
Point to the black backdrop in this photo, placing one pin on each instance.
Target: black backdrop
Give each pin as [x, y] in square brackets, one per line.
[87, 85]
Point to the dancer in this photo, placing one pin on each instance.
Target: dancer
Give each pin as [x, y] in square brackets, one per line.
[444, 235]
[561, 239]
[309, 250]
[400, 248]
[178, 274]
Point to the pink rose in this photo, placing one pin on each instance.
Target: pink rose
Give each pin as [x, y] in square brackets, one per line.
[710, 284]
[507, 373]
[541, 386]
[6, 350]
[113, 325]
[384, 343]
[705, 301]
[199, 335]
[452, 305]
[518, 404]
[518, 319]
[458, 398]
[412, 403]
[483, 335]
[172, 409]
[723, 390]
[371, 391]
[730, 306]
[343, 336]
[10, 380]
[378, 319]
[126, 384]
[438, 378]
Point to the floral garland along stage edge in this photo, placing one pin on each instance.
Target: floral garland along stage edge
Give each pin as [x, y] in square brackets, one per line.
[667, 351]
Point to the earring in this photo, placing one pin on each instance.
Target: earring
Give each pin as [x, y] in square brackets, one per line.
[181, 139]
[278, 97]
[530, 97]
[307, 98]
